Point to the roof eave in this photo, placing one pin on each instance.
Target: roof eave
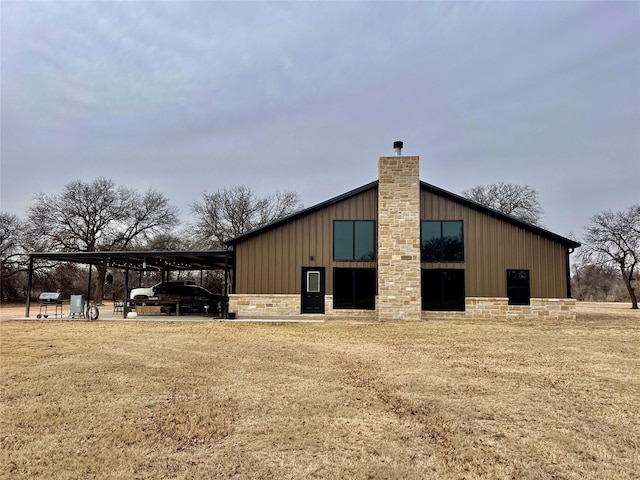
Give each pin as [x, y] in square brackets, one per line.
[301, 213]
[499, 215]
[432, 188]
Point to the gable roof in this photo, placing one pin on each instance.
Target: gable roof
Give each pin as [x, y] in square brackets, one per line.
[301, 213]
[499, 215]
[423, 186]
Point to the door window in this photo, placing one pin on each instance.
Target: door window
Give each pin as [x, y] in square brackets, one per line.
[313, 282]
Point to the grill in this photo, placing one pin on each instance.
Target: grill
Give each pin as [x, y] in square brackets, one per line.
[47, 299]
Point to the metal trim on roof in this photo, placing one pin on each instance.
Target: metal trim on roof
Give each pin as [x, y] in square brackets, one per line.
[499, 215]
[423, 185]
[301, 213]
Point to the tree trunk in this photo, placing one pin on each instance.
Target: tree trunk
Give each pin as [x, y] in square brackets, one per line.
[627, 276]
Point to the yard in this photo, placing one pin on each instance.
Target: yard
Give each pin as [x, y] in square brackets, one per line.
[441, 399]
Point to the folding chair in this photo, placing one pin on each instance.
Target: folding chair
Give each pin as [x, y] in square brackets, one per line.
[118, 305]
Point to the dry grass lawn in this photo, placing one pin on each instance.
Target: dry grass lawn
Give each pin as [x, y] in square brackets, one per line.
[445, 400]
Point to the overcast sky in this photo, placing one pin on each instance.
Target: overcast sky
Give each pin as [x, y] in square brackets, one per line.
[187, 97]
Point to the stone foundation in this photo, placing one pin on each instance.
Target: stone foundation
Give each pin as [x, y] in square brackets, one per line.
[477, 308]
[498, 308]
[288, 306]
[257, 306]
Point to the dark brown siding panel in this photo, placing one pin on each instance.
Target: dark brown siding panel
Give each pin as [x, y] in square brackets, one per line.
[271, 262]
[492, 246]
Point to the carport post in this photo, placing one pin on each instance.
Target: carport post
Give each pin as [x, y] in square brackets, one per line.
[29, 285]
[125, 308]
[225, 299]
[89, 286]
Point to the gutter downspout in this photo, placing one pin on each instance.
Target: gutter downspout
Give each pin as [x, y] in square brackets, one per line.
[568, 268]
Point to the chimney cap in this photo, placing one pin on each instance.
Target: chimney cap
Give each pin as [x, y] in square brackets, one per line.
[397, 146]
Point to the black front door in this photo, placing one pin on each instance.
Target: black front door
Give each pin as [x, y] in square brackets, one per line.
[312, 290]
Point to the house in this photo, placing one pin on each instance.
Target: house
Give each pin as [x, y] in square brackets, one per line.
[401, 249]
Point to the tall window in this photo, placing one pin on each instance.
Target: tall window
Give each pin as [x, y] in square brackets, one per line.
[518, 287]
[443, 289]
[441, 241]
[353, 240]
[354, 288]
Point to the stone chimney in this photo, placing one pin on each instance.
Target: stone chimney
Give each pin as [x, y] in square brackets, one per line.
[399, 292]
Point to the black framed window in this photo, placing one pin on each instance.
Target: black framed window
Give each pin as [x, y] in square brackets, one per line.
[518, 289]
[354, 288]
[441, 241]
[443, 289]
[354, 240]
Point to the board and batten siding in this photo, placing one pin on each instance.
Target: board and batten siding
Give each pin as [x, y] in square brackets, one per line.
[271, 262]
[491, 246]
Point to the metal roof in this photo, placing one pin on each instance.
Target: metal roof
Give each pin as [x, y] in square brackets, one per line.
[424, 186]
[151, 260]
[301, 213]
[499, 215]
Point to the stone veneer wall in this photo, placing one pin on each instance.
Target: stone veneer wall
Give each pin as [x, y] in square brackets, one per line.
[252, 306]
[399, 292]
[498, 308]
[287, 306]
[477, 308]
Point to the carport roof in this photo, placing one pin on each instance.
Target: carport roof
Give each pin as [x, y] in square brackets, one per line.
[152, 260]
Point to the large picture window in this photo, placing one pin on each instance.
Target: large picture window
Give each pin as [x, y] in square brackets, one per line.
[441, 241]
[353, 240]
[354, 288]
[443, 289]
[518, 287]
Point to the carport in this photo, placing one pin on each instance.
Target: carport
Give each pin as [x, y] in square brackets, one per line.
[141, 261]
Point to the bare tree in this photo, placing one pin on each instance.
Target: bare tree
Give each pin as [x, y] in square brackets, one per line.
[10, 232]
[100, 216]
[229, 212]
[12, 258]
[15, 245]
[168, 241]
[614, 239]
[519, 201]
[597, 283]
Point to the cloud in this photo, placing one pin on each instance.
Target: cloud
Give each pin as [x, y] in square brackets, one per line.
[306, 96]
